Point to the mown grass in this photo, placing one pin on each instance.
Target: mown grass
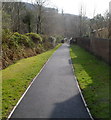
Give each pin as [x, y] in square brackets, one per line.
[93, 78]
[18, 76]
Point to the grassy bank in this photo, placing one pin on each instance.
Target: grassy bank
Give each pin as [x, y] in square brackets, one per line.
[18, 76]
[93, 78]
[17, 46]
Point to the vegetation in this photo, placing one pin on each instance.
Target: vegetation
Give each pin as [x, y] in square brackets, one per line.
[58, 38]
[18, 39]
[93, 78]
[17, 46]
[15, 82]
[35, 37]
[20, 23]
[19, 28]
[26, 18]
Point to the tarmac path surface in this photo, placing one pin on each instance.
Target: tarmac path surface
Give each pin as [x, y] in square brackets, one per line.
[54, 93]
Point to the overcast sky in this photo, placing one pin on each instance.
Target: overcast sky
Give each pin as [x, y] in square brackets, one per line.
[73, 6]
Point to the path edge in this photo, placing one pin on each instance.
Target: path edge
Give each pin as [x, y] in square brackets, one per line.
[12, 111]
[86, 106]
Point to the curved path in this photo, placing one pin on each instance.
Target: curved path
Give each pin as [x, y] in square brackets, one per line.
[54, 93]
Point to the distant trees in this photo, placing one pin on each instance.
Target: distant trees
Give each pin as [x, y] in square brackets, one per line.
[99, 24]
[83, 26]
[109, 24]
[27, 20]
[24, 17]
[12, 13]
[80, 20]
[39, 5]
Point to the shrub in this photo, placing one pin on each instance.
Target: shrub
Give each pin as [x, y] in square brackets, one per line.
[36, 38]
[6, 34]
[58, 38]
[47, 43]
[19, 39]
[16, 46]
[45, 38]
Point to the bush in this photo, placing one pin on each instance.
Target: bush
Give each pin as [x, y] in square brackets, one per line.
[46, 42]
[58, 38]
[36, 38]
[19, 39]
[45, 38]
[17, 46]
[6, 34]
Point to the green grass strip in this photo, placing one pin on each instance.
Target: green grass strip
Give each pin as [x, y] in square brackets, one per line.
[93, 78]
[17, 77]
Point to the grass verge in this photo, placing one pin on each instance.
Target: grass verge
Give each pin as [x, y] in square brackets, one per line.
[93, 78]
[18, 76]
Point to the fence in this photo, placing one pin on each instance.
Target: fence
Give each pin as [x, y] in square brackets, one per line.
[98, 46]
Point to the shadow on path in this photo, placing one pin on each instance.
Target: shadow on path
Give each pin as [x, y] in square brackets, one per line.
[70, 108]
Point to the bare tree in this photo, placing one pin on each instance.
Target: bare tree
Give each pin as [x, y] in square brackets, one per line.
[82, 21]
[13, 10]
[39, 5]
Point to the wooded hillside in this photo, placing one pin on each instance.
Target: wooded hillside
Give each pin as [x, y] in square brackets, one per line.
[19, 19]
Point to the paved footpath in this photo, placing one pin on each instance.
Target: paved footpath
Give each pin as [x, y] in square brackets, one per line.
[54, 93]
